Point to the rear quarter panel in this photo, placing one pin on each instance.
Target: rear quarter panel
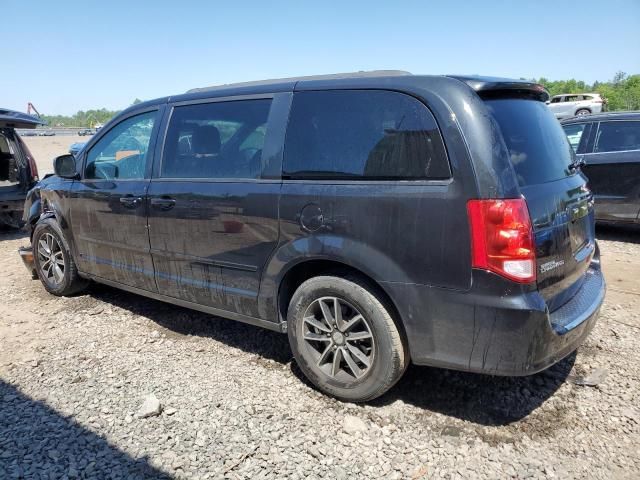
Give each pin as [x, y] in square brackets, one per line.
[398, 232]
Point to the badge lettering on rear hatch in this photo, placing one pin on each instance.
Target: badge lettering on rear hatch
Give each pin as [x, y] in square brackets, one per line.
[547, 266]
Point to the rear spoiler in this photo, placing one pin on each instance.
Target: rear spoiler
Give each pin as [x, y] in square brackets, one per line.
[13, 119]
[494, 87]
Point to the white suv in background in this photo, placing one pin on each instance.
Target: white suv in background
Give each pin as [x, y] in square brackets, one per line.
[575, 104]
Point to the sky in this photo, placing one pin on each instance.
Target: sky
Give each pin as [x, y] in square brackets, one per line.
[65, 56]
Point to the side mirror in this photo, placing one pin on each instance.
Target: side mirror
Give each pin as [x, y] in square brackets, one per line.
[65, 166]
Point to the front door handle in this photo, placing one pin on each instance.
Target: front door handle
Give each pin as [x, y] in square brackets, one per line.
[163, 203]
[130, 201]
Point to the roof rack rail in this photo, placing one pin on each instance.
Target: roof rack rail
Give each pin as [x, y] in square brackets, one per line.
[332, 76]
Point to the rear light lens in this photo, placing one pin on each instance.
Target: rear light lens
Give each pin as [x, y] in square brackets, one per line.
[502, 238]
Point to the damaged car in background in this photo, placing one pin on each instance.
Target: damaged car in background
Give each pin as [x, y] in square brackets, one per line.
[18, 171]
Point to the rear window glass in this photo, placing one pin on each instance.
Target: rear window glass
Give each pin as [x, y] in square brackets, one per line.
[538, 147]
[618, 136]
[363, 135]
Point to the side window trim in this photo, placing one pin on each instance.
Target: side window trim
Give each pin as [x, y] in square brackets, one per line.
[584, 139]
[595, 126]
[156, 173]
[110, 126]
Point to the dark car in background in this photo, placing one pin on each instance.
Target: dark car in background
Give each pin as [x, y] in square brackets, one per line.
[18, 171]
[608, 145]
[377, 218]
[85, 132]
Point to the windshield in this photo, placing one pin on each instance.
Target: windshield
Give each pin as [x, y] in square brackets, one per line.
[538, 147]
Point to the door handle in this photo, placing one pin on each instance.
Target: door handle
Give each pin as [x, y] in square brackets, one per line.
[130, 201]
[163, 203]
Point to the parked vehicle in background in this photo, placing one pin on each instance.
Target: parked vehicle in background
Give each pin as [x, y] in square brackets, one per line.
[18, 171]
[576, 104]
[86, 131]
[377, 218]
[75, 148]
[46, 133]
[609, 146]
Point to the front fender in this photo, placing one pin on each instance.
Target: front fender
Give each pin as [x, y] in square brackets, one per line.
[32, 208]
[346, 251]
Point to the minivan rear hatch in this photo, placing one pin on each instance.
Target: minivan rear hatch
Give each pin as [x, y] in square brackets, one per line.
[17, 166]
[559, 202]
[13, 119]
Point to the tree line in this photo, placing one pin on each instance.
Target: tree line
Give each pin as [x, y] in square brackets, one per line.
[621, 93]
[87, 119]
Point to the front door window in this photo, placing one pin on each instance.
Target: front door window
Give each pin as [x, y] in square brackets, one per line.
[122, 152]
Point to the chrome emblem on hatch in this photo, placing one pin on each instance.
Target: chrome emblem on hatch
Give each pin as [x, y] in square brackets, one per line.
[547, 266]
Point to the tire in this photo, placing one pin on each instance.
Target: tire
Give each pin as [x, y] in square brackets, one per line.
[58, 276]
[582, 111]
[315, 345]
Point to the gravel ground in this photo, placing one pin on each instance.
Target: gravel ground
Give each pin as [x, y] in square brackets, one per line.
[75, 372]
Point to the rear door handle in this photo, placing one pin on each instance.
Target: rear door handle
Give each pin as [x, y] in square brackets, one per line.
[130, 201]
[163, 203]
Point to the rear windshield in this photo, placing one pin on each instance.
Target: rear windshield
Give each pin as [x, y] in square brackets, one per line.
[539, 149]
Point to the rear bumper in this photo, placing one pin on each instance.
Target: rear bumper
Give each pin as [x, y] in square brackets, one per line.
[510, 334]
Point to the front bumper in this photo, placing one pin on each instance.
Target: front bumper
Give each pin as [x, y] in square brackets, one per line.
[508, 334]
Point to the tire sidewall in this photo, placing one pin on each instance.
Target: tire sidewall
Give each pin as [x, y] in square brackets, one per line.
[373, 311]
[50, 226]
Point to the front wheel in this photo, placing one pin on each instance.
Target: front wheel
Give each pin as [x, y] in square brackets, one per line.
[344, 338]
[582, 111]
[53, 261]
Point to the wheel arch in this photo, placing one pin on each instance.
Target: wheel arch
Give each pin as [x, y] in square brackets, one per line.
[298, 272]
[51, 204]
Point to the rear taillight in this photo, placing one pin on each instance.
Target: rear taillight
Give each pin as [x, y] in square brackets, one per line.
[502, 238]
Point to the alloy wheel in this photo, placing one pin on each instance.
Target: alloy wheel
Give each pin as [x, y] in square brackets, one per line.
[338, 339]
[51, 259]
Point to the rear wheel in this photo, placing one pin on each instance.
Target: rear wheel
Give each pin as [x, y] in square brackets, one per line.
[344, 338]
[53, 261]
[582, 111]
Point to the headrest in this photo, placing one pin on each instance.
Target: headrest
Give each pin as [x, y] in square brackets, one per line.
[205, 140]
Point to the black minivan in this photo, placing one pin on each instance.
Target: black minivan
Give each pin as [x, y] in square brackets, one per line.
[377, 218]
